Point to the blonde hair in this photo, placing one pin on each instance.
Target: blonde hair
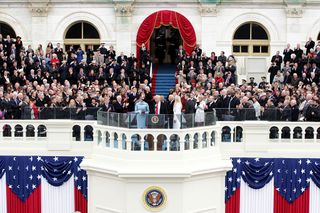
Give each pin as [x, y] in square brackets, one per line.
[177, 100]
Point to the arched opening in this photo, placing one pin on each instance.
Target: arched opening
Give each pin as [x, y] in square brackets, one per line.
[251, 38]
[82, 35]
[42, 131]
[274, 132]
[205, 140]
[164, 42]
[187, 142]
[213, 138]
[285, 133]
[6, 29]
[6, 131]
[309, 133]
[18, 131]
[161, 142]
[166, 18]
[226, 134]
[76, 132]
[297, 133]
[88, 133]
[30, 131]
[174, 143]
[237, 134]
[99, 137]
[136, 142]
[107, 141]
[148, 142]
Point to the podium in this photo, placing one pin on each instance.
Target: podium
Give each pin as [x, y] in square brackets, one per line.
[157, 121]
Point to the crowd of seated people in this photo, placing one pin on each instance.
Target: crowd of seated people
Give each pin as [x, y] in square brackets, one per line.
[291, 94]
[33, 81]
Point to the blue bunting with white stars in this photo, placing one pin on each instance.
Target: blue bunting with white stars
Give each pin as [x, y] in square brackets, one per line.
[23, 173]
[291, 176]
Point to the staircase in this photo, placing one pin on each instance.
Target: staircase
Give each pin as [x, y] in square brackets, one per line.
[163, 79]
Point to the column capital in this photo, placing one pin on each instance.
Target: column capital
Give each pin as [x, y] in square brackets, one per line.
[294, 11]
[39, 8]
[123, 8]
[208, 10]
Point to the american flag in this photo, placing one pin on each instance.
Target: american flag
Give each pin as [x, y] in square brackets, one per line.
[279, 185]
[24, 176]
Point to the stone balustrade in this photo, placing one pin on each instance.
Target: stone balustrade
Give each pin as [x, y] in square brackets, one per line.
[233, 138]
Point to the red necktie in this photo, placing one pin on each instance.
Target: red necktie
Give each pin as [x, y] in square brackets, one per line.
[157, 110]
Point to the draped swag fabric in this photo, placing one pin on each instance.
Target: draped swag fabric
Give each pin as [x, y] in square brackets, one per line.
[267, 185]
[42, 184]
[166, 18]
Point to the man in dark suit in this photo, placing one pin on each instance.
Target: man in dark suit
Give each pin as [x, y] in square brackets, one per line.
[298, 51]
[118, 106]
[287, 54]
[25, 108]
[277, 58]
[190, 104]
[309, 45]
[59, 51]
[107, 106]
[159, 107]
[15, 105]
[121, 58]
[273, 70]
[170, 110]
[111, 76]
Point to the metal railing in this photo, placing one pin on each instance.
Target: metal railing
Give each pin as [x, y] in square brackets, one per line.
[152, 121]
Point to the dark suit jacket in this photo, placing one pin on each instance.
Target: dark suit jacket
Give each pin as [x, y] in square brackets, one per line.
[106, 108]
[170, 107]
[163, 108]
[190, 106]
[118, 107]
[15, 108]
[309, 46]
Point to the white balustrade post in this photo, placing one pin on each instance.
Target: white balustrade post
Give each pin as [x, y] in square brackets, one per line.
[191, 142]
[120, 142]
[128, 141]
[291, 135]
[142, 143]
[200, 145]
[103, 139]
[111, 140]
[303, 132]
[35, 133]
[168, 144]
[182, 145]
[155, 144]
[24, 133]
[231, 136]
[315, 135]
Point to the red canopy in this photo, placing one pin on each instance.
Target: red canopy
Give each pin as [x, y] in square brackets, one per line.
[166, 18]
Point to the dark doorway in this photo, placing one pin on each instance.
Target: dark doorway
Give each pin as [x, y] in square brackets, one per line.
[164, 43]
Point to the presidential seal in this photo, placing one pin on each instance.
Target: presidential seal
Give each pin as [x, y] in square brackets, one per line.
[155, 119]
[154, 198]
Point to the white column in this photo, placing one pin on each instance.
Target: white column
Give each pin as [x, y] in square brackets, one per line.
[208, 34]
[123, 12]
[39, 23]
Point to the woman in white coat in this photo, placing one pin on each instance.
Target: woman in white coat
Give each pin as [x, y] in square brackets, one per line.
[177, 107]
[200, 107]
